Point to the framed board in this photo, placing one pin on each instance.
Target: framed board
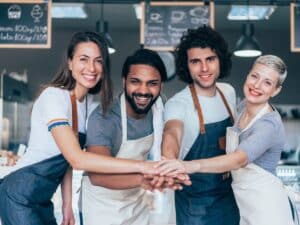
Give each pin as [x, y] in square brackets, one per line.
[163, 23]
[25, 24]
[295, 27]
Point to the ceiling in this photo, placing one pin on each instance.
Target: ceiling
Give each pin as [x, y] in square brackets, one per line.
[121, 15]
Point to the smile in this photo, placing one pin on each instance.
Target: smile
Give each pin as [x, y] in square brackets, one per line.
[90, 77]
[254, 93]
[142, 100]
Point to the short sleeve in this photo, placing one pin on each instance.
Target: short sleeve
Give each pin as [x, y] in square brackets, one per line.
[100, 129]
[261, 137]
[174, 110]
[54, 107]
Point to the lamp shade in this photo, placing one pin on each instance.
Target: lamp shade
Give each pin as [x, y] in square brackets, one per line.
[102, 27]
[247, 45]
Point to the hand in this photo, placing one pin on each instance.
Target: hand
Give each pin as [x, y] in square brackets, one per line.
[162, 182]
[68, 216]
[147, 167]
[11, 158]
[173, 167]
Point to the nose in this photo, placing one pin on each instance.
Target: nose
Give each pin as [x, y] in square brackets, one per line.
[204, 66]
[143, 89]
[257, 83]
[91, 66]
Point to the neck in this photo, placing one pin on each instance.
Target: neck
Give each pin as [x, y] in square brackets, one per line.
[252, 109]
[208, 92]
[80, 93]
[131, 113]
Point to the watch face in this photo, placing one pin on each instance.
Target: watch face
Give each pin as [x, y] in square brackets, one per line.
[169, 61]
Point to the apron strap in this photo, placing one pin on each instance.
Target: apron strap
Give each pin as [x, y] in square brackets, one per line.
[123, 117]
[226, 105]
[198, 108]
[74, 114]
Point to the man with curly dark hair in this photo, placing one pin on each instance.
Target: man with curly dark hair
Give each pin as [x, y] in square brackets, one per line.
[196, 119]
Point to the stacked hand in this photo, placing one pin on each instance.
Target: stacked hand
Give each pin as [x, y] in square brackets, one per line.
[164, 174]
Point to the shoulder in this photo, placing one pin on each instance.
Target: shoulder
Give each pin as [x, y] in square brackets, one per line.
[270, 121]
[54, 93]
[229, 94]
[181, 98]
[227, 89]
[99, 118]
[53, 97]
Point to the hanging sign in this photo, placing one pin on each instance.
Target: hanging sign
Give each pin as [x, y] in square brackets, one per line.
[295, 27]
[163, 23]
[25, 24]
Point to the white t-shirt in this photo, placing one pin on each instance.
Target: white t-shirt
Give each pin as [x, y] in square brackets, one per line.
[52, 108]
[181, 107]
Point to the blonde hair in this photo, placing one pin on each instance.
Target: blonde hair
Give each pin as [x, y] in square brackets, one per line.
[274, 63]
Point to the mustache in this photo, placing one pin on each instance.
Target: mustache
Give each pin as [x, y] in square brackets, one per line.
[142, 95]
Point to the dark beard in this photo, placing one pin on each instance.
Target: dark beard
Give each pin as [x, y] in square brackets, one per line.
[134, 106]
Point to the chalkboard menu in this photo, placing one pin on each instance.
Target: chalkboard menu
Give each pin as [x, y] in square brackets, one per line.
[295, 27]
[25, 24]
[163, 23]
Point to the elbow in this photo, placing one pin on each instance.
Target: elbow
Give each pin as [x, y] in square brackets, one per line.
[93, 180]
[76, 164]
[241, 163]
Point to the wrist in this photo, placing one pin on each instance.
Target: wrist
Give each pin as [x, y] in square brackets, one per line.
[195, 166]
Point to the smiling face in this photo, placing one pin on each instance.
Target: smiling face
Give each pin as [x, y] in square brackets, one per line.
[142, 87]
[204, 67]
[86, 66]
[261, 84]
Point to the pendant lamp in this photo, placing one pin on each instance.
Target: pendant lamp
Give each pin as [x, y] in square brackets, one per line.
[247, 45]
[102, 27]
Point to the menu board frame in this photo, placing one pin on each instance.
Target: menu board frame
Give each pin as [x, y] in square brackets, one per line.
[153, 4]
[295, 30]
[47, 44]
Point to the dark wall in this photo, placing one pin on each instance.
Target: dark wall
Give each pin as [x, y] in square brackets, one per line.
[41, 64]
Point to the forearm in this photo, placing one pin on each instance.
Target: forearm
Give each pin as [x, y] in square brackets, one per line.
[88, 161]
[220, 164]
[118, 182]
[170, 146]
[171, 140]
[66, 188]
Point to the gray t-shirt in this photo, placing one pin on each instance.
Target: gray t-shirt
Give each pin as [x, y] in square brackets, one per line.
[263, 142]
[106, 130]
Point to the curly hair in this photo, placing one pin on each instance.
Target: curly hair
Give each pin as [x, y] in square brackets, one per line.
[202, 37]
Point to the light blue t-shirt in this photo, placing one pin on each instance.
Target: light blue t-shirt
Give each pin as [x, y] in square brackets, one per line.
[264, 141]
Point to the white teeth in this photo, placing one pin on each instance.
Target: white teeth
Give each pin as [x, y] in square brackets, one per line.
[142, 100]
[90, 77]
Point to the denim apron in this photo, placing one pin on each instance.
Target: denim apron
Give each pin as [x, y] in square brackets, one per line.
[25, 194]
[209, 200]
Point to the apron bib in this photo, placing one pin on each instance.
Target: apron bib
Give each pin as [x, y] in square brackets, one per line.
[260, 195]
[118, 207]
[209, 200]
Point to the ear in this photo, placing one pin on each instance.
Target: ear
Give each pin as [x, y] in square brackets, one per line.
[70, 64]
[123, 82]
[276, 92]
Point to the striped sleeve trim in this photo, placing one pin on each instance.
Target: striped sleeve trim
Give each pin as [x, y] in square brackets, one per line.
[57, 122]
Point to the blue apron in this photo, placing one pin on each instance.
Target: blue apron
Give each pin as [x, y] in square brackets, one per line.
[209, 200]
[25, 194]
